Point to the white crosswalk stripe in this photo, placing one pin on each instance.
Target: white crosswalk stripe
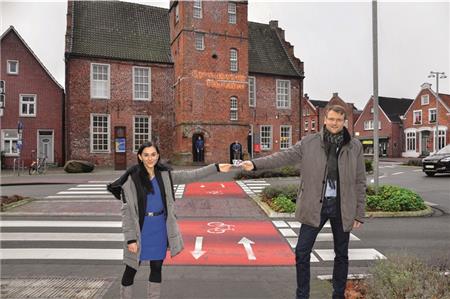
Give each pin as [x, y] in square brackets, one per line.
[253, 187]
[290, 230]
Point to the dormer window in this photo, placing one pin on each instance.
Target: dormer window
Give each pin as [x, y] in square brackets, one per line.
[425, 99]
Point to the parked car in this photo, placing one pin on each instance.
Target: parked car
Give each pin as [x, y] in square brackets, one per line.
[438, 162]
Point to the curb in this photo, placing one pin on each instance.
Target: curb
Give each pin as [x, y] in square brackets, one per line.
[427, 212]
[268, 210]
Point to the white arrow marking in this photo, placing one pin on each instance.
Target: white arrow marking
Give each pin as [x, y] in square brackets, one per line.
[223, 186]
[197, 253]
[248, 247]
[202, 186]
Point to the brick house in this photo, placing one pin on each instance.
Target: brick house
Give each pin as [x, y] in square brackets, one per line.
[198, 70]
[390, 133]
[420, 123]
[313, 113]
[32, 100]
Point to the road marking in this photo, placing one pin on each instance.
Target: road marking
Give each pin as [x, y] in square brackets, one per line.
[353, 254]
[117, 237]
[80, 196]
[397, 173]
[197, 253]
[95, 182]
[87, 188]
[279, 224]
[38, 223]
[431, 204]
[294, 224]
[60, 254]
[287, 232]
[92, 185]
[248, 248]
[83, 192]
[417, 170]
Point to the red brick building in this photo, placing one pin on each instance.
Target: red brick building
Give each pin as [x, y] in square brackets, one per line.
[420, 123]
[31, 99]
[390, 132]
[313, 113]
[197, 70]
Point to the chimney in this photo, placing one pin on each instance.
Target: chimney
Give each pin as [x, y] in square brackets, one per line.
[425, 85]
[273, 24]
[335, 94]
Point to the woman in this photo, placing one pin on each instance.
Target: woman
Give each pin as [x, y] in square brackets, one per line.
[148, 219]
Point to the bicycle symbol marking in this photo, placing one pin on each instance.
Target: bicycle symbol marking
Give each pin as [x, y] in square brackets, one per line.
[219, 227]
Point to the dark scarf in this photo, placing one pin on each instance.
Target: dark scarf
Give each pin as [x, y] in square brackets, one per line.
[332, 142]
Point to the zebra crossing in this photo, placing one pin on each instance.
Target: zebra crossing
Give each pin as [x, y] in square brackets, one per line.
[253, 187]
[324, 241]
[97, 189]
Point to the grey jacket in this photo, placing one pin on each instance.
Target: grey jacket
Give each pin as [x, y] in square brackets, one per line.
[309, 155]
[130, 211]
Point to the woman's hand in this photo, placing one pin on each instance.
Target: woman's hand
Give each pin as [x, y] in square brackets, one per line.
[224, 167]
[133, 247]
[247, 165]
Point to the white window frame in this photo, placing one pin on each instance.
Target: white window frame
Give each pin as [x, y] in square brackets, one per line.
[261, 137]
[442, 136]
[410, 139]
[234, 67]
[306, 125]
[149, 84]
[232, 13]
[368, 125]
[2, 101]
[371, 110]
[107, 82]
[414, 117]
[199, 41]
[251, 91]
[34, 103]
[135, 134]
[108, 133]
[197, 13]
[313, 124]
[425, 99]
[234, 108]
[283, 99]
[11, 140]
[8, 67]
[429, 115]
[283, 144]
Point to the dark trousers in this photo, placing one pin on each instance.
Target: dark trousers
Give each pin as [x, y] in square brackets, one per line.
[155, 273]
[306, 240]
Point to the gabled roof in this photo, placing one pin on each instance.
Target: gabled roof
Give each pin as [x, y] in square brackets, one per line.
[11, 29]
[319, 103]
[394, 107]
[266, 53]
[129, 31]
[120, 30]
[446, 99]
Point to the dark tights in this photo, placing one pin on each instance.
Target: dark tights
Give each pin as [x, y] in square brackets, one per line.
[155, 273]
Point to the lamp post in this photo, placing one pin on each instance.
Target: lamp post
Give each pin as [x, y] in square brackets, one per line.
[375, 93]
[437, 75]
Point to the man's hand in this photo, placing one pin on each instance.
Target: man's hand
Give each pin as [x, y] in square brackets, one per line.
[247, 165]
[132, 247]
[356, 224]
[225, 167]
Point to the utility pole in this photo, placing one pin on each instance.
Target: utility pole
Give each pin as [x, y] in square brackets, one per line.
[375, 93]
[437, 75]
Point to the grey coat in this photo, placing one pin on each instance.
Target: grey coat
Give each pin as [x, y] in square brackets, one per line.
[130, 214]
[309, 154]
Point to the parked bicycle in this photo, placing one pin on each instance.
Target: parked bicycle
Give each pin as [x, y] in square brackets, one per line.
[39, 166]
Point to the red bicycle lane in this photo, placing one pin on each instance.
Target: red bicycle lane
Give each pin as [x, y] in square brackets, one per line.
[227, 236]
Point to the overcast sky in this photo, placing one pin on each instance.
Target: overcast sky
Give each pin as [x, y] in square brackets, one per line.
[333, 39]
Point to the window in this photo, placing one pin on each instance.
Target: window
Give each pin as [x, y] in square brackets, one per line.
[141, 131]
[371, 110]
[12, 67]
[233, 108]
[197, 9]
[2, 101]
[283, 94]
[368, 125]
[432, 115]
[100, 81]
[425, 99]
[100, 133]
[441, 139]
[285, 137]
[306, 125]
[141, 83]
[177, 13]
[411, 141]
[10, 138]
[27, 105]
[231, 12]
[313, 124]
[418, 117]
[252, 91]
[199, 41]
[266, 137]
[233, 60]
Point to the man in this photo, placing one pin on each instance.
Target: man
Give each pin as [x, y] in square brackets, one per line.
[237, 150]
[332, 187]
[199, 146]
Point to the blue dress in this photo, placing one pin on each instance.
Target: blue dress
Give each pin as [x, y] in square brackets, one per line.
[154, 232]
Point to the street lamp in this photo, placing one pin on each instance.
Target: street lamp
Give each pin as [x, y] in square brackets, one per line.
[437, 75]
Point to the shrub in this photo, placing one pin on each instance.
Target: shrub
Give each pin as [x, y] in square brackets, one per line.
[290, 191]
[281, 172]
[369, 166]
[283, 203]
[394, 199]
[404, 276]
